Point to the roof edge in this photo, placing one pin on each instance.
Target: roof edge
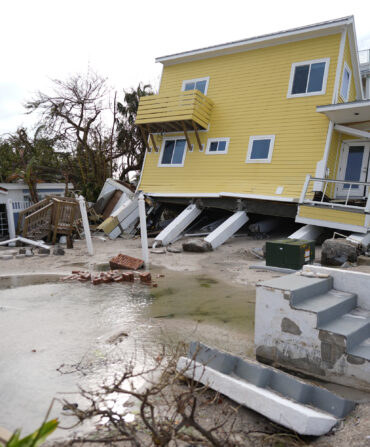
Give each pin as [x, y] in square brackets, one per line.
[239, 44]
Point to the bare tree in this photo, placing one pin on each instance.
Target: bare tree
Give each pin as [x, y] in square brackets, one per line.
[74, 113]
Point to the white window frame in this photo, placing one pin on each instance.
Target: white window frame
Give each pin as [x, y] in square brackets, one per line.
[177, 165]
[212, 140]
[250, 146]
[324, 81]
[346, 67]
[196, 80]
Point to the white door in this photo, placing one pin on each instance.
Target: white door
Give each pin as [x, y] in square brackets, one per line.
[354, 167]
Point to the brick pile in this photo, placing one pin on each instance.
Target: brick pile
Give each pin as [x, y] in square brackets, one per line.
[109, 277]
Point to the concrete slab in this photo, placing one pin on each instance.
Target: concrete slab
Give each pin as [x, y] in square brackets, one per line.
[299, 406]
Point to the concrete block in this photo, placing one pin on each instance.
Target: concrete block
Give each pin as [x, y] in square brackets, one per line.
[178, 225]
[227, 229]
[6, 257]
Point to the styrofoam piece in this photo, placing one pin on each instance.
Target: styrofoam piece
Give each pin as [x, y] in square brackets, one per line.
[227, 229]
[178, 225]
[307, 232]
[126, 216]
[297, 417]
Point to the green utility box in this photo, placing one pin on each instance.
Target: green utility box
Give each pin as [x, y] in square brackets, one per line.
[290, 253]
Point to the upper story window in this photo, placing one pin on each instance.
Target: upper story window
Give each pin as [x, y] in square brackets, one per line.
[200, 84]
[346, 82]
[308, 78]
[172, 152]
[260, 149]
[217, 145]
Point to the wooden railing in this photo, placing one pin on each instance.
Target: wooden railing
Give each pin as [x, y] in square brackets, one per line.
[28, 211]
[37, 224]
[324, 186]
[191, 105]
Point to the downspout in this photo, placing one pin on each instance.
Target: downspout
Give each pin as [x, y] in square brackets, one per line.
[321, 167]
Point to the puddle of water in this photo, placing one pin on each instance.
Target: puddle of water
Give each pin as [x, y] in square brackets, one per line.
[56, 336]
[203, 300]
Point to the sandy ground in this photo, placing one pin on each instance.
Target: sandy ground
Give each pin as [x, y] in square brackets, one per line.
[231, 263]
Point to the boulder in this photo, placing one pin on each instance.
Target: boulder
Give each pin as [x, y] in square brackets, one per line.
[197, 246]
[44, 251]
[338, 251]
[58, 251]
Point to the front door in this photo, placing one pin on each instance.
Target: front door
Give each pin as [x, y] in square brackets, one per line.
[354, 167]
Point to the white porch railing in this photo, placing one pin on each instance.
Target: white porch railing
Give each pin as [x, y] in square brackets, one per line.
[326, 182]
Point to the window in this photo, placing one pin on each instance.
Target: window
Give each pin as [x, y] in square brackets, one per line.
[260, 149]
[200, 84]
[308, 78]
[217, 145]
[346, 82]
[173, 152]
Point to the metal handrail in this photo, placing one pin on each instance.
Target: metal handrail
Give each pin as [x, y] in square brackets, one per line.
[309, 179]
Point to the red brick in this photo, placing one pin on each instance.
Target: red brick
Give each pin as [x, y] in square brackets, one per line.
[125, 262]
[145, 277]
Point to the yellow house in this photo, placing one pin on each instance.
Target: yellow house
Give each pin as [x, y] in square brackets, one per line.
[274, 125]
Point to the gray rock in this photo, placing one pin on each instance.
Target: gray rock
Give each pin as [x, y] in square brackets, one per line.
[6, 257]
[338, 251]
[197, 246]
[58, 251]
[44, 251]
[174, 250]
[21, 256]
[158, 251]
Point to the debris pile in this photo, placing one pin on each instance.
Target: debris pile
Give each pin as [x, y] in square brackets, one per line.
[111, 276]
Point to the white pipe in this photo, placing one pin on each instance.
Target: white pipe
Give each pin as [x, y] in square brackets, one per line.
[10, 215]
[86, 225]
[143, 233]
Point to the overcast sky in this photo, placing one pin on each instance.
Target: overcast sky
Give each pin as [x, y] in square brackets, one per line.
[46, 39]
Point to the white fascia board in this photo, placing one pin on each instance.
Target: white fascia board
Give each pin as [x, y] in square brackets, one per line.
[352, 37]
[180, 195]
[302, 33]
[347, 105]
[259, 197]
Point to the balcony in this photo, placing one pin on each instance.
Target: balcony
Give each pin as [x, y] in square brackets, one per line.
[188, 111]
[350, 212]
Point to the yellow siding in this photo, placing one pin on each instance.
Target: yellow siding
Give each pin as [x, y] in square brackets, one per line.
[249, 91]
[348, 60]
[344, 217]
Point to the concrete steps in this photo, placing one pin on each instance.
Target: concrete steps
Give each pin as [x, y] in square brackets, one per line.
[353, 328]
[337, 311]
[362, 349]
[300, 406]
[329, 306]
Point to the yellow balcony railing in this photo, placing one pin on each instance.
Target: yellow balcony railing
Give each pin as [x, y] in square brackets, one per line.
[189, 110]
